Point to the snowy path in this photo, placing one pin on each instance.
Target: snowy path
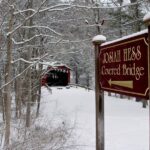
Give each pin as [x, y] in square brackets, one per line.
[126, 122]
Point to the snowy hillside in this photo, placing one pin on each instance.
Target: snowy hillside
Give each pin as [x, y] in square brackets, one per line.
[126, 122]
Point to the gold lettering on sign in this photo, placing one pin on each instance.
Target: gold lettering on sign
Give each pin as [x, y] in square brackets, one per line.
[124, 62]
[112, 56]
[132, 53]
[133, 71]
[110, 71]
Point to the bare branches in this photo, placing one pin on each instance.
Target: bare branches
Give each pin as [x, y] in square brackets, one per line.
[23, 71]
[42, 27]
[23, 60]
[24, 11]
[30, 39]
[26, 19]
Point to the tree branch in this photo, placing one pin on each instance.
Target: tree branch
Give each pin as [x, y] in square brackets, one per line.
[30, 39]
[43, 27]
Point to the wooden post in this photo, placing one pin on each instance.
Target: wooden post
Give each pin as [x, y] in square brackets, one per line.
[146, 20]
[99, 96]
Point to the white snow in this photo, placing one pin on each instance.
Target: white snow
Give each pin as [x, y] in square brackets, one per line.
[99, 38]
[126, 2]
[146, 17]
[53, 64]
[126, 122]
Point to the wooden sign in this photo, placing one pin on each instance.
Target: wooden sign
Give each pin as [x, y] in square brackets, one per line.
[124, 66]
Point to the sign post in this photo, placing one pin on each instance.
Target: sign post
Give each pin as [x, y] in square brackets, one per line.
[146, 20]
[99, 95]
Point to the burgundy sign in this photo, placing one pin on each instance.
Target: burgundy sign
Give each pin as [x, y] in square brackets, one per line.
[124, 66]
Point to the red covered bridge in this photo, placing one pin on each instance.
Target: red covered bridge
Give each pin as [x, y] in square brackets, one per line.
[56, 75]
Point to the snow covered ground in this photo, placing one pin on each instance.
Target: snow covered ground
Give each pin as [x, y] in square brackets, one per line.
[126, 122]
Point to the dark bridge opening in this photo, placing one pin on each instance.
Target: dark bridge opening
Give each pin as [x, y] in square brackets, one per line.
[57, 76]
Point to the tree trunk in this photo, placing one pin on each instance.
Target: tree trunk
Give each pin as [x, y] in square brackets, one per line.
[3, 106]
[29, 35]
[120, 18]
[39, 90]
[7, 88]
[18, 93]
[135, 8]
[16, 96]
[38, 101]
[97, 17]
[76, 75]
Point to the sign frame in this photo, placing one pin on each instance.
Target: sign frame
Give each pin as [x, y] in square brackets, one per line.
[119, 83]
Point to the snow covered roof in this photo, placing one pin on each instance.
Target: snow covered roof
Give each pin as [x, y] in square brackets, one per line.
[57, 64]
[54, 64]
[126, 37]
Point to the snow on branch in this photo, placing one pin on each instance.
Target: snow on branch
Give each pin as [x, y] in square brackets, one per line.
[24, 11]
[69, 6]
[107, 7]
[75, 41]
[71, 41]
[23, 71]
[35, 62]
[29, 62]
[56, 7]
[26, 19]
[37, 58]
[43, 27]
[52, 8]
[30, 39]
[21, 59]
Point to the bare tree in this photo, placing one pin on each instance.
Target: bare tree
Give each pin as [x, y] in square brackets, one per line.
[29, 35]
[8, 76]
